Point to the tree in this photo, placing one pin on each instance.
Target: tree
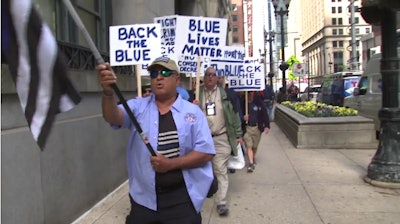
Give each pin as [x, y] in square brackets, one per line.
[291, 61]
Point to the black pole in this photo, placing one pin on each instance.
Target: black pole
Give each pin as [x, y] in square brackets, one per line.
[270, 39]
[133, 119]
[384, 169]
[282, 13]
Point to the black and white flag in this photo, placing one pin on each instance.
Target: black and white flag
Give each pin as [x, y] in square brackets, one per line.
[39, 73]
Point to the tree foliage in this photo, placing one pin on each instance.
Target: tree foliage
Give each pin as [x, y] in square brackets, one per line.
[291, 61]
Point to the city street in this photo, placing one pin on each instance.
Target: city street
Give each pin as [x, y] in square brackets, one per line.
[289, 185]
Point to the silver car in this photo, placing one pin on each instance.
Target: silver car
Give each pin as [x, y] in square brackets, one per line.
[310, 93]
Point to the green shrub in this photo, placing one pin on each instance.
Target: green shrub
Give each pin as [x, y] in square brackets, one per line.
[313, 109]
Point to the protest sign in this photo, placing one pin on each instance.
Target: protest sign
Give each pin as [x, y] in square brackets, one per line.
[189, 64]
[134, 44]
[230, 62]
[168, 31]
[200, 36]
[250, 76]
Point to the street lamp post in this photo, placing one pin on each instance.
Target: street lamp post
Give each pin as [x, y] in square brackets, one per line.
[384, 169]
[269, 37]
[281, 9]
[264, 58]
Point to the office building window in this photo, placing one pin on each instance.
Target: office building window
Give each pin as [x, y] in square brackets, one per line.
[357, 43]
[234, 18]
[368, 30]
[235, 39]
[235, 29]
[340, 31]
[340, 21]
[333, 9]
[334, 31]
[356, 20]
[96, 16]
[334, 21]
[355, 8]
[338, 61]
[339, 9]
[337, 43]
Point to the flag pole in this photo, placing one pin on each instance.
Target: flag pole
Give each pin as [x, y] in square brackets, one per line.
[100, 60]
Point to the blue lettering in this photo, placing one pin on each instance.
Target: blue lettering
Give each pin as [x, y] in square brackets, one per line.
[132, 55]
[136, 43]
[119, 55]
[200, 40]
[204, 26]
[151, 31]
[141, 32]
[201, 51]
[167, 22]
[122, 34]
[192, 25]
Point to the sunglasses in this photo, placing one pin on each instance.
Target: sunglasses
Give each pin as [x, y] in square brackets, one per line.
[164, 73]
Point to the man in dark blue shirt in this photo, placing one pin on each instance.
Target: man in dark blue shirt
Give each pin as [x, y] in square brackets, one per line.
[257, 122]
[268, 96]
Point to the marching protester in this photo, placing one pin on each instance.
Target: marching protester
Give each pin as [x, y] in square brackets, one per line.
[226, 131]
[146, 90]
[257, 122]
[233, 96]
[293, 92]
[281, 96]
[269, 99]
[172, 186]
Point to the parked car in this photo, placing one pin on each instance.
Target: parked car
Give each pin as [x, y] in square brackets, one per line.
[310, 93]
[367, 96]
[335, 87]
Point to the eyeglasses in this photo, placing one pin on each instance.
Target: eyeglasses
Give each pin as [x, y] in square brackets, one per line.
[164, 73]
[210, 75]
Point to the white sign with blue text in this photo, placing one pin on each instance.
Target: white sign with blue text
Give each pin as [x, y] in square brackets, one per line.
[250, 76]
[168, 31]
[134, 44]
[230, 62]
[188, 64]
[200, 36]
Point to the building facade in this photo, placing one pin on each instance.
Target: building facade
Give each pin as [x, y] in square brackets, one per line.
[326, 36]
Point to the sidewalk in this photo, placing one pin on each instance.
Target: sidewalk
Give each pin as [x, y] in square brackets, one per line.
[289, 185]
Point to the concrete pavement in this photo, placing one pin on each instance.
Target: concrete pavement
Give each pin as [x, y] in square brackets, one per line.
[289, 185]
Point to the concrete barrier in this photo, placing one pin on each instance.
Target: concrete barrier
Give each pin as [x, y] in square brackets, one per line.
[353, 132]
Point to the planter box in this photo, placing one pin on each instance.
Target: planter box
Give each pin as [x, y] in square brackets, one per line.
[354, 132]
